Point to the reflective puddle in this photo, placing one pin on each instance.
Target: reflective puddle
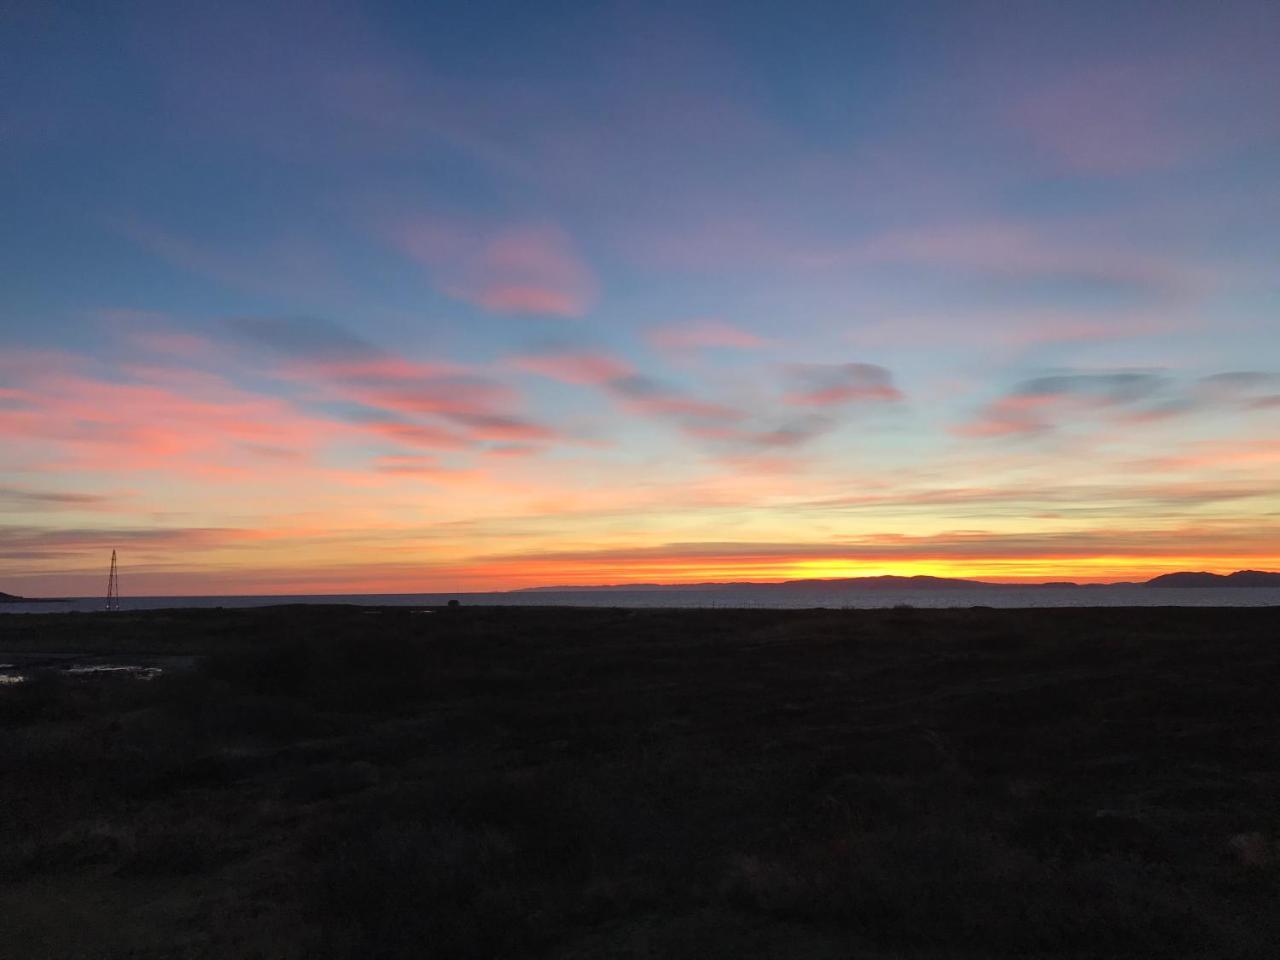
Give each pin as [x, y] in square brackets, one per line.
[19, 668]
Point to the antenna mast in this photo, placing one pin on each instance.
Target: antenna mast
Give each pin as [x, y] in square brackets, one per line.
[113, 586]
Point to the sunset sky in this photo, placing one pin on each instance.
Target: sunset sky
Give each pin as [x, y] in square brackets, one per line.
[431, 297]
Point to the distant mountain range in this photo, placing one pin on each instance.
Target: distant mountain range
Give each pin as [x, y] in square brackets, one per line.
[10, 598]
[1241, 578]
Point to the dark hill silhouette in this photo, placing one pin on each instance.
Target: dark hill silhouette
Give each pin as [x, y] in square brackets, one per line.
[1241, 578]
[11, 598]
[852, 583]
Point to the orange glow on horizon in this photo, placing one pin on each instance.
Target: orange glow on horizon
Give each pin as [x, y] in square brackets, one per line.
[1102, 569]
[233, 579]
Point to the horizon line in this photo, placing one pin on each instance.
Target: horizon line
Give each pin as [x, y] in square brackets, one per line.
[658, 585]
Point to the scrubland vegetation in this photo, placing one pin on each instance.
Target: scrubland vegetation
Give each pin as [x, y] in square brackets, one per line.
[579, 783]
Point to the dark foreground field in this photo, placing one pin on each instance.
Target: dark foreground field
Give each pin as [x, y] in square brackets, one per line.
[340, 782]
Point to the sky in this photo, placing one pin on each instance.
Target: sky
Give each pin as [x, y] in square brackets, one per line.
[380, 297]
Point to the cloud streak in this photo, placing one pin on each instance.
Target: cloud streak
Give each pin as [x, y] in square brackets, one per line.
[833, 385]
[425, 404]
[530, 269]
[1044, 404]
[704, 334]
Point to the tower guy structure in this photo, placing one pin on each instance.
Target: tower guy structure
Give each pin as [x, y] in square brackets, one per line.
[113, 586]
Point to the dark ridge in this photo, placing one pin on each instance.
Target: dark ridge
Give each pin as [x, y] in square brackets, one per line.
[1241, 578]
[11, 598]
[883, 582]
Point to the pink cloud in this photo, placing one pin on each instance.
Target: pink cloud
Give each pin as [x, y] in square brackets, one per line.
[1013, 332]
[431, 470]
[696, 334]
[1013, 249]
[592, 369]
[414, 397]
[825, 385]
[454, 397]
[632, 390]
[670, 404]
[513, 450]
[1219, 455]
[414, 466]
[1010, 416]
[65, 413]
[417, 435]
[86, 422]
[715, 423]
[374, 369]
[1124, 397]
[529, 269]
[505, 428]
[152, 333]
[787, 435]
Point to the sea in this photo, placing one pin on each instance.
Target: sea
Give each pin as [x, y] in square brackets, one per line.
[739, 597]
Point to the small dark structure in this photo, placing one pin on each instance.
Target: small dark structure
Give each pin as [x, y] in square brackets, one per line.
[113, 586]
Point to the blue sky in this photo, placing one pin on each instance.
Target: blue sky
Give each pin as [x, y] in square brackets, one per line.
[325, 296]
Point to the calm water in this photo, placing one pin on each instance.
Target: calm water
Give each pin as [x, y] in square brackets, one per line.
[742, 597]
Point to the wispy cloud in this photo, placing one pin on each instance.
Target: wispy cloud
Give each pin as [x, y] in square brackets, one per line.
[703, 334]
[19, 499]
[1044, 403]
[1016, 250]
[579, 367]
[83, 419]
[632, 390]
[1038, 405]
[297, 267]
[517, 269]
[29, 542]
[727, 427]
[423, 403]
[837, 384]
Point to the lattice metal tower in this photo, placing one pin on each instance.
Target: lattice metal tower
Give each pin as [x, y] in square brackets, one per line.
[113, 586]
